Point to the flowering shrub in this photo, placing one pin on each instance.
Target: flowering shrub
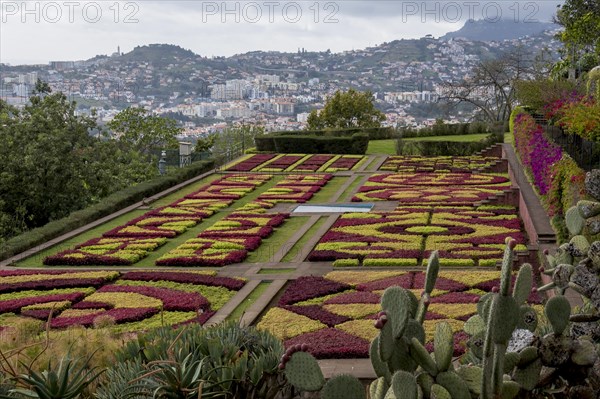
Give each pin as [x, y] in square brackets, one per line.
[536, 151]
[567, 185]
[582, 118]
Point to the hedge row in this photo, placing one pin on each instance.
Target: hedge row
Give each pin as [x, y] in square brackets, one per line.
[310, 144]
[374, 133]
[457, 129]
[442, 148]
[106, 206]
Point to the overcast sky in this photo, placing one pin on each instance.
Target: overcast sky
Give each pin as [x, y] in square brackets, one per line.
[41, 31]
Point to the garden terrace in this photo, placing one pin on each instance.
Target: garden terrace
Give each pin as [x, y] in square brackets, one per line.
[228, 247]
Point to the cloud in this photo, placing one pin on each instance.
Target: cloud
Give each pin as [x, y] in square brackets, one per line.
[40, 31]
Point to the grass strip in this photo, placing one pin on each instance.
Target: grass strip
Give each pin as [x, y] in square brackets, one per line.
[248, 301]
[282, 234]
[299, 245]
[277, 271]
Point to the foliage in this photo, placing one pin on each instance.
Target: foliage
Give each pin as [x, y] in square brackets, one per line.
[233, 141]
[239, 362]
[536, 93]
[566, 185]
[52, 165]
[442, 148]
[346, 109]
[582, 118]
[68, 381]
[581, 34]
[110, 204]
[312, 144]
[142, 131]
[490, 87]
[537, 152]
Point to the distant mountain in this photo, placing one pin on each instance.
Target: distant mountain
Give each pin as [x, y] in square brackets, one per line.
[505, 29]
[159, 53]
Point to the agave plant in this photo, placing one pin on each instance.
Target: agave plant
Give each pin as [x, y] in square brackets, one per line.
[68, 381]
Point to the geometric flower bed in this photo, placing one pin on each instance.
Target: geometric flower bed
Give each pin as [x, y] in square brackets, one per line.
[464, 236]
[459, 164]
[134, 300]
[225, 242]
[107, 251]
[297, 163]
[295, 188]
[335, 314]
[129, 243]
[432, 188]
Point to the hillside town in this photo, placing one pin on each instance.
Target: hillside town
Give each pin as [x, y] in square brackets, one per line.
[272, 89]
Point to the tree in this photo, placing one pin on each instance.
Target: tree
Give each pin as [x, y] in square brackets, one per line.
[51, 165]
[351, 109]
[581, 34]
[234, 141]
[490, 87]
[143, 131]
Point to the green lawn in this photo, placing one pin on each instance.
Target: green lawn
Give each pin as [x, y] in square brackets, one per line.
[326, 193]
[349, 192]
[271, 245]
[299, 247]
[382, 147]
[248, 301]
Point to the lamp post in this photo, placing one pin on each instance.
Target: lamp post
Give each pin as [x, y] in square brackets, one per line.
[162, 163]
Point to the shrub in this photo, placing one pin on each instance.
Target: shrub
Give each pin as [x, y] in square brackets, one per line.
[443, 148]
[313, 144]
[108, 205]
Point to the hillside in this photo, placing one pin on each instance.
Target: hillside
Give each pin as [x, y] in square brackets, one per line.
[506, 29]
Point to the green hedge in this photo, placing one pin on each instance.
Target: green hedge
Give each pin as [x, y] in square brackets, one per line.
[457, 129]
[441, 148]
[106, 206]
[374, 133]
[311, 144]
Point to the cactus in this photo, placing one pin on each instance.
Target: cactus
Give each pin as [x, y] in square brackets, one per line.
[404, 385]
[557, 311]
[343, 386]
[303, 372]
[575, 222]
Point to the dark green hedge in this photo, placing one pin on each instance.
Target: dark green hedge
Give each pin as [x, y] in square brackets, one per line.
[106, 206]
[311, 144]
[457, 129]
[374, 133]
[441, 148]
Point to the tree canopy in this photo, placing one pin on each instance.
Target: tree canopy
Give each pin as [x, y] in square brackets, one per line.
[144, 131]
[344, 110]
[581, 34]
[51, 165]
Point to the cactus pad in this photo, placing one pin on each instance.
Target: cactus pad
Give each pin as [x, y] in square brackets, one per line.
[523, 284]
[557, 311]
[587, 209]
[439, 392]
[398, 305]
[303, 372]
[510, 390]
[404, 385]
[528, 377]
[528, 318]
[443, 346]
[425, 382]
[378, 388]
[574, 221]
[472, 376]
[422, 357]
[414, 329]
[343, 387]
[474, 325]
[581, 244]
[433, 267]
[457, 388]
[380, 367]
[505, 315]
